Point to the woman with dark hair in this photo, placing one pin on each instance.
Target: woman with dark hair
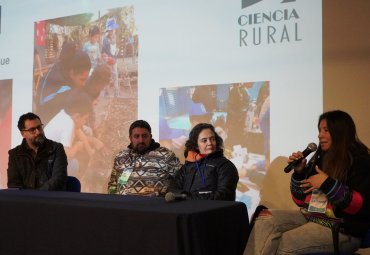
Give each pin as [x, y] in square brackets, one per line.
[332, 188]
[206, 174]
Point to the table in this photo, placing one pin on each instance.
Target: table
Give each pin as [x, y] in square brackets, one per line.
[42, 222]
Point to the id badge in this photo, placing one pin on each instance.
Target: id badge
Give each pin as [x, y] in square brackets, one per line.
[318, 202]
[122, 180]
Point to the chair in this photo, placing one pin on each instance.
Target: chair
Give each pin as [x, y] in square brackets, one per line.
[366, 240]
[259, 209]
[335, 230]
[73, 184]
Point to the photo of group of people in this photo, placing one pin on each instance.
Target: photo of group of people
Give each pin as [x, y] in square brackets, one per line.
[6, 98]
[240, 113]
[85, 88]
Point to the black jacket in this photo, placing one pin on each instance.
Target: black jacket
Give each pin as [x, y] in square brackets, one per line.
[47, 171]
[220, 175]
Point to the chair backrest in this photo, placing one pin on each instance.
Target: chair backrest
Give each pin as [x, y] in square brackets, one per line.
[366, 240]
[73, 184]
[275, 190]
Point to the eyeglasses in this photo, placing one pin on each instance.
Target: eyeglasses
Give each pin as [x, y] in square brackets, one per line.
[33, 129]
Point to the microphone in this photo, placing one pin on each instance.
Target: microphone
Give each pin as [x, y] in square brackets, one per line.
[310, 148]
[172, 197]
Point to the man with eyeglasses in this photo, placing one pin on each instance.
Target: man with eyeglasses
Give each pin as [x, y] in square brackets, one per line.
[37, 163]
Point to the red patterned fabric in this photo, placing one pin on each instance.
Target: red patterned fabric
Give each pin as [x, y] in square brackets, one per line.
[40, 33]
[356, 203]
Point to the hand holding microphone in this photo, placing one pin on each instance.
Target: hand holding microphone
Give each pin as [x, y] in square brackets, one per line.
[296, 160]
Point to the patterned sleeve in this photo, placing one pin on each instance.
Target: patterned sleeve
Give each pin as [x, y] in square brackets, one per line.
[112, 184]
[173, 163]
[339, 194]
[353, 196]
[297, 192]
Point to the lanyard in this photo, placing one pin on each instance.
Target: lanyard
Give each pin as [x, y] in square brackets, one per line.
[201, 173]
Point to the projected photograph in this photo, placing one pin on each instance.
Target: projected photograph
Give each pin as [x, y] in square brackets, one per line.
[6, 87]
[85, 87]
[240, 113]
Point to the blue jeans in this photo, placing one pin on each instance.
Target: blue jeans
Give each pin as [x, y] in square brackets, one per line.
[288, 232]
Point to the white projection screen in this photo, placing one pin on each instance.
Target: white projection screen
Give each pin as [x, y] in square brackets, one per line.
[251, 68]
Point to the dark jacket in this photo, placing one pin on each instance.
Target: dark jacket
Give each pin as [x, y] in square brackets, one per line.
[350, 200]
[220, 178]
[47, 171]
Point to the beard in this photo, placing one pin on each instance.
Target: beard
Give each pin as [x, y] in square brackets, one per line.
[38, 140]
[141, 148]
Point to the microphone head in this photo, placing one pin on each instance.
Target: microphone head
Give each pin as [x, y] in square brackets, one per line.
[312, 147]
[169, 197]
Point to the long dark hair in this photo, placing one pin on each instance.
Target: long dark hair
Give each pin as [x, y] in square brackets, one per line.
[345, 144]
[192, 143]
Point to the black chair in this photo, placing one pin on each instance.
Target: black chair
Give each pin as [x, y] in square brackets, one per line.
[365, 243]
[73, 184]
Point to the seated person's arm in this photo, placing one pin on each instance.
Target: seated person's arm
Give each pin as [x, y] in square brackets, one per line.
[112, 184]
[14, 177]
[227, 181]
[173, 164]
[178, 182]
[58, 172]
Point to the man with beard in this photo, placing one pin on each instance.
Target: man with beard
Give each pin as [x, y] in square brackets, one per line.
[144, 168]
[37, 163]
